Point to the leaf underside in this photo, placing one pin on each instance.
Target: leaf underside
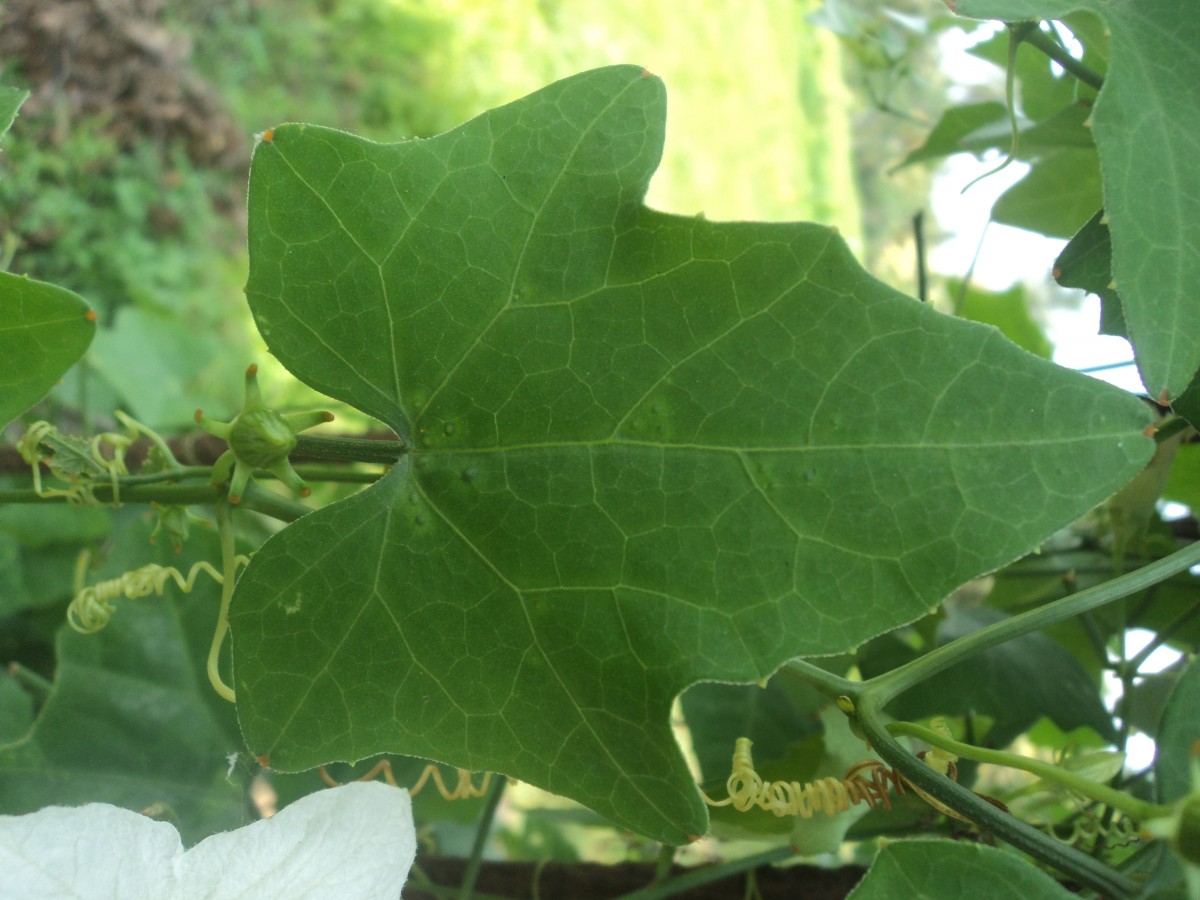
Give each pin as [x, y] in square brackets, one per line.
[646, 451]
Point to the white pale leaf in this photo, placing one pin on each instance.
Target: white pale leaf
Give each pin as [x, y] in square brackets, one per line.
[353, 843]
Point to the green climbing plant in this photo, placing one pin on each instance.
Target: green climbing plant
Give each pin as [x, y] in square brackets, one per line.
[638, 456]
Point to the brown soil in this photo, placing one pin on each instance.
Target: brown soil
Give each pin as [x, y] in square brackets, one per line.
[113, 58]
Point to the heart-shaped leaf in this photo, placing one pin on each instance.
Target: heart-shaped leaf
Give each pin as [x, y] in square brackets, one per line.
[645, 451]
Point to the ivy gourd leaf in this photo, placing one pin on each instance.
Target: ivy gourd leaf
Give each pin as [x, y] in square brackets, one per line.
[645, 451]
[1086, 263]
[941, 870]
[1056, 197]
[1146, 125]
[44, 329]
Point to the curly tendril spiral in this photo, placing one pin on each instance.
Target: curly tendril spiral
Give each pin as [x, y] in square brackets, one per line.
[464, 788]
[830, 796]
[93, 605]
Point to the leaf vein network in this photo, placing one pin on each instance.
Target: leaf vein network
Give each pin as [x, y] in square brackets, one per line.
[512, 288]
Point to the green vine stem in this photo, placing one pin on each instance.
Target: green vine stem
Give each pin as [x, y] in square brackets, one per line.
[864, 702]
[336, 474]
[261, 500]
[482, 830]
[229, 575]
[344, 449]
[1085, 869]
[832, 686]
[884, 687]
[256, 498]
[1140, 810]
[181, 494]
[1035, 37]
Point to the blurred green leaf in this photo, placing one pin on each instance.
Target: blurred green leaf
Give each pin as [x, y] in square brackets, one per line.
[977, 127]
[718, 714]
[1089, 29]
[132, 719]
[1187, 404]
[188, 366]
[1056, 197]
[16, 706]
[950, 870]
[1008, 311]
[954, 129]
[1143, 706]
[43, 330]
[1145, 124]
[11, 99]
[1178, 733]
[1040, 92]
[40, 544]
[648, 450]
[1183, 484]
[41, 525]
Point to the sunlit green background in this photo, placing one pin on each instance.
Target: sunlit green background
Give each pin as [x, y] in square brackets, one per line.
[141, 208]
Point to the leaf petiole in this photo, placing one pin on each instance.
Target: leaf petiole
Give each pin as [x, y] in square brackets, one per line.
[1072, 781]
[1035, 37]
[345, 449]
[884, 687]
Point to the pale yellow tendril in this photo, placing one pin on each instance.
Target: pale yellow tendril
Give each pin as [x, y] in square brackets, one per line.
[464, 788]
[92, 607]
[830, 796]
[78, 462]
[866, 782]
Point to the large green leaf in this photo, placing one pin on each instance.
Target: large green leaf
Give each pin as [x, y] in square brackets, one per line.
[948, 870]
[1147, 128]
[43, 330]
[646, 451]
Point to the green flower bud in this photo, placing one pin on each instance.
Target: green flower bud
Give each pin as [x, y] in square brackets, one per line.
[258, 438]
[261, 438]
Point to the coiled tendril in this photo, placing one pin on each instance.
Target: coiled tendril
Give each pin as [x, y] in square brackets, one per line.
[93, 605]
[464, 787]
[830, 796]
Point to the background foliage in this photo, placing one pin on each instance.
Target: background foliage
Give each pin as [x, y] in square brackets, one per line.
[134, 200]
